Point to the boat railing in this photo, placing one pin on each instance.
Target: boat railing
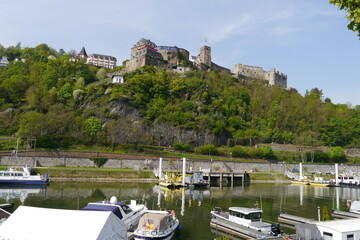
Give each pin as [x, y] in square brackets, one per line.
[217, 209]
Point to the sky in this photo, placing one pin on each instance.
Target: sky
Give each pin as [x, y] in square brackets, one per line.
[307, 40]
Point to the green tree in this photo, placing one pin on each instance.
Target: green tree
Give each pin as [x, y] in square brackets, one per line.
[92, 126]
[352, 7]
[337, 154]
[31, 125]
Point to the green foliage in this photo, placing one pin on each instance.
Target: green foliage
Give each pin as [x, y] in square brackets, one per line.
[352, 7]
[325, 214]
[209, 149]
[92, 126]
[186, 147]
[44, 97]
[337, 154]
[99, 161]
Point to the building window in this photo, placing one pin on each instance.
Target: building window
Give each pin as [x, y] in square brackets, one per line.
[350, 237]
[328, 236]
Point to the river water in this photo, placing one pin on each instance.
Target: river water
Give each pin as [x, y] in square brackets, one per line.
[192, 207]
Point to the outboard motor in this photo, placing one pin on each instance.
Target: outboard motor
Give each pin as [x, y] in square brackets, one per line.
[275, 229]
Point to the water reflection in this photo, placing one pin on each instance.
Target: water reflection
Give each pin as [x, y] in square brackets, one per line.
[10, 194]
[192, 206]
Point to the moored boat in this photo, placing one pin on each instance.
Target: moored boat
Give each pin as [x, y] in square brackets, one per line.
[170, 180]
[129, 214]
[246, 221]
[157, 225]
[22, 177]
[196, 180]
[302, 182]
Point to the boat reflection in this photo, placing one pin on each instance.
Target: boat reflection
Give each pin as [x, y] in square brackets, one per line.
[186, 195]
[9, 194]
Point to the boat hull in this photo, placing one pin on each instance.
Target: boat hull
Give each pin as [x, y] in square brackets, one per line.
[300, 182]
[167, 237]
[24, 182]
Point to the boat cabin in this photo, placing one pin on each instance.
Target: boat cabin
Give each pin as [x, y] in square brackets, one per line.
[245, 214]
[348, 179]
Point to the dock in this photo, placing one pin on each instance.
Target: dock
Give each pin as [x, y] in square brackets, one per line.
[227, 176]
[292, 220]
[239, 231]
[344, 215]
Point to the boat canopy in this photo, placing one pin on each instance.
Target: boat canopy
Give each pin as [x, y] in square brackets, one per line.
[33, 223]
[103, 207]
[155, 221]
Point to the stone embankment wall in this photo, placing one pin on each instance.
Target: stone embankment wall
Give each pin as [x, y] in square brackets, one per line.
[176, 164]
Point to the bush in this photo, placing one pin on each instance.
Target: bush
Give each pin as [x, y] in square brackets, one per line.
[337, 154]
[99, 162]
[239, 151]
[209, 149]
[182, 147]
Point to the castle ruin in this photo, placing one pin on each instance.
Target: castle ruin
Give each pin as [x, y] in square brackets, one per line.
[274, 78]
[146, 52]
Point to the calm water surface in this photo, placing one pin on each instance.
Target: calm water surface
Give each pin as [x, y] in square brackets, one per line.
[192, 206]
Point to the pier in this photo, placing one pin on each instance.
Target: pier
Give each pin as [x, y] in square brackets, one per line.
[344, 215]
[226, 176]
[292, 220]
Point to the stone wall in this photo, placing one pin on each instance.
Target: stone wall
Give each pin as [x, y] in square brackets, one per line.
[176, 165]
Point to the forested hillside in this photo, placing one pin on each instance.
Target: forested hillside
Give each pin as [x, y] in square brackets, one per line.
[61, 103]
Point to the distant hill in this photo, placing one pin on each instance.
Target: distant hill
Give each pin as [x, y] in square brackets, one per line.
[61, 103]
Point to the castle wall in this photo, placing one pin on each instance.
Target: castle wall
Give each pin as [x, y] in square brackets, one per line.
[276, 78]
[247, 71]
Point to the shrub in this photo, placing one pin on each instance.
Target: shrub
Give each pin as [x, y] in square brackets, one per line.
[209, 149]
[337, 154]
[239, 151]
[99, 162]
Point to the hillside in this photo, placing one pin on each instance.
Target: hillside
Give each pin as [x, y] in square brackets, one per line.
[62, 104]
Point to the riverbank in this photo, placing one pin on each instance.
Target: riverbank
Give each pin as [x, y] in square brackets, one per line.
[130, 175]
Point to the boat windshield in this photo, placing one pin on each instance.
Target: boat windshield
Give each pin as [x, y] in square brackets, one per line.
[126, 209]
[254, 215]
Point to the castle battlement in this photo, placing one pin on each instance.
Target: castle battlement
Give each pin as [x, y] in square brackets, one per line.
[273, 76]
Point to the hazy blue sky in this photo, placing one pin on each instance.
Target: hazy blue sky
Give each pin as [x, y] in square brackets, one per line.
[306, 39]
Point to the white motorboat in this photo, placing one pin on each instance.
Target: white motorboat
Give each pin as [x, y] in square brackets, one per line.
[22, 177]
[239, 218]
[129, 214]
[157, 225]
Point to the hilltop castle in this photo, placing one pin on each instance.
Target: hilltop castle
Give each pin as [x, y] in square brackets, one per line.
[146, 52]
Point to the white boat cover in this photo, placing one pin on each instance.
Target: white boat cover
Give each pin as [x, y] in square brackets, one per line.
[28, 223]
[355, 206]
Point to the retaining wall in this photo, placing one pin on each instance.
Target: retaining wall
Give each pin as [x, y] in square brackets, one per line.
[176, 165]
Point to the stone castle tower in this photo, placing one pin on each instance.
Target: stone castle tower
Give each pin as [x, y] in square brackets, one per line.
[205, 55]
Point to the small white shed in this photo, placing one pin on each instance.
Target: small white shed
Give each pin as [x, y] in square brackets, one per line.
[45, 223]
[118, 78]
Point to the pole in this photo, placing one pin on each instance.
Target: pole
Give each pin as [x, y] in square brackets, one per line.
[318, 208]
[184, 171]
[301, 173]
[336, 174]
[160, 168]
